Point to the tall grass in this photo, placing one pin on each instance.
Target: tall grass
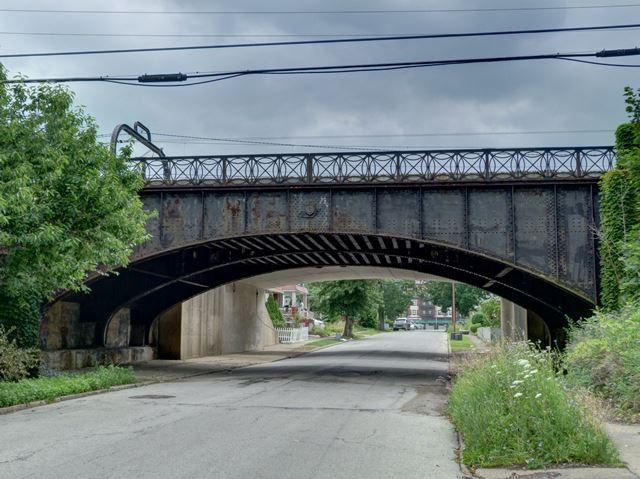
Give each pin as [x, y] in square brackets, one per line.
[49, 388]
[511, 409]
[603, 356]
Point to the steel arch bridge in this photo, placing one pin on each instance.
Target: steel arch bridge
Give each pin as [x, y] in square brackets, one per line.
[520, 223]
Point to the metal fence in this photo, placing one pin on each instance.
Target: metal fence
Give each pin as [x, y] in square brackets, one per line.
[293, 335]
[380, 167]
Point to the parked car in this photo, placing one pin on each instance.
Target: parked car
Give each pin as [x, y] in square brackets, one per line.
[401, 323]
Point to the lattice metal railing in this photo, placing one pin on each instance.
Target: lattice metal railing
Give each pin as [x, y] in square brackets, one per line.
[380, 167]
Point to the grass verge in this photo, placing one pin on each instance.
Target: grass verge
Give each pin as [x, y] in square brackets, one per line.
[324, 342]
[360, 332]
[461, 345]
[50, 388]
[512, 410]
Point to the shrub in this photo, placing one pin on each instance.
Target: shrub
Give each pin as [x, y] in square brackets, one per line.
[478, 318]
[319, 331]
[334, 327]
[490, 308]
[474, 328]
[369, 319]
[15, 363]
[274, 313]
[603, 356]
[511, 409]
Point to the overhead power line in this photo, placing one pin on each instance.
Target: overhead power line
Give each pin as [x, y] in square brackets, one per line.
[170, 138]
[268, 141]
[324, 42]
[179, 79]
[274, 35]
[319, 12]
[391, 135]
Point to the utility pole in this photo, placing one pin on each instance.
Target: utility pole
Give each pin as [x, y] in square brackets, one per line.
[453, 305]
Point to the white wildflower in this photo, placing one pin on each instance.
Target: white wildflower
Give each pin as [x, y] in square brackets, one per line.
[523, 362]
[517, 381]
[538, 395]
[517, 395]
[533, 371]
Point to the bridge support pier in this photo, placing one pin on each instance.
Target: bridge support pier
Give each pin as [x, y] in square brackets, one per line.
[518, 324]
[228, 319]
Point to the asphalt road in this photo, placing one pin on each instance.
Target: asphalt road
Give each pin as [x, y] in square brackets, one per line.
[364, 409]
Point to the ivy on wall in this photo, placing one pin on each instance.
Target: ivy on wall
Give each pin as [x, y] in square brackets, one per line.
[274, 313]
[620, 215]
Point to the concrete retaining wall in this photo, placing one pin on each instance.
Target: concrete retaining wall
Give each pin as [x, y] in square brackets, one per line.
[489, 334]
[85, 358]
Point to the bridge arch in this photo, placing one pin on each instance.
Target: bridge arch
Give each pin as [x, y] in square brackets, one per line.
[150, 286]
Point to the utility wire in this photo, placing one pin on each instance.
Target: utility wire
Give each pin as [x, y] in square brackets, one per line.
[318, 12]
[381, 135]
[174, 138]
[175, 79]
[224, 35]
[324, 42]
[263, 141]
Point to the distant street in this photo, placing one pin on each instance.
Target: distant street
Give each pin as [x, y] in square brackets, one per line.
[365, 409]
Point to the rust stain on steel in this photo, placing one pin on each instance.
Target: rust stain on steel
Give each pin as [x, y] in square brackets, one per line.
[233, 207]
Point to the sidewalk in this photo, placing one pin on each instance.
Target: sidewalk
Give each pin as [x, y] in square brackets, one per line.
[170, 369]
[480, 345]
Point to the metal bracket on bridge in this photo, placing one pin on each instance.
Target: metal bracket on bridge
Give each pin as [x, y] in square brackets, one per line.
[142, 134]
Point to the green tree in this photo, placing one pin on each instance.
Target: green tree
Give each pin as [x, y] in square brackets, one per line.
[351, 299]
[467, 297]
[396, 297]
[68, 206]
[490, 309]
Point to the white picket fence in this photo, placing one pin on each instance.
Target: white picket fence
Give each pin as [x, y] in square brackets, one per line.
[293, 335]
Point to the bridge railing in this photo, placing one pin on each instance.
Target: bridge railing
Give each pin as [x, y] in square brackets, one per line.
[380, 167]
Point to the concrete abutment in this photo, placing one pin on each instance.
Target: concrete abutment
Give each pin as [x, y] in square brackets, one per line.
[228, 319]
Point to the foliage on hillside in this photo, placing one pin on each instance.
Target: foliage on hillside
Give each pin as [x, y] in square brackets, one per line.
[603, 356]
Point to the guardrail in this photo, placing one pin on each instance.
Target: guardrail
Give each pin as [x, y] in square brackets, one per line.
[380, 167]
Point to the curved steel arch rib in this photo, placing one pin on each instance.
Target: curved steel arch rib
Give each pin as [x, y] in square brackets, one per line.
[152, 285]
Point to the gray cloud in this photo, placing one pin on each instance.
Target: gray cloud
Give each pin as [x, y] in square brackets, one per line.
[545, 95]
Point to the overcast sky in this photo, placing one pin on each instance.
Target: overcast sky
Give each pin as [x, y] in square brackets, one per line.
[332, 110]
